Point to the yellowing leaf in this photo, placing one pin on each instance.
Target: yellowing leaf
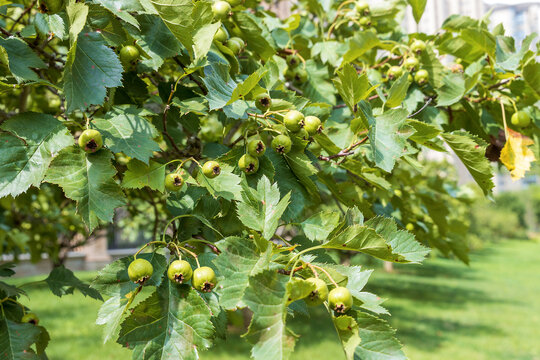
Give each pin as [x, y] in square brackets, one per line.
[515, 155]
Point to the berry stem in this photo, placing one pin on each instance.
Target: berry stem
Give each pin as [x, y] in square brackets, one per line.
[201, 241]
[146, 245]
[504, 118]
[312, 268]
[192, 254]
[327, 274]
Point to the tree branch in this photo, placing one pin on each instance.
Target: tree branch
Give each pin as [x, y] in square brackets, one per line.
[345, 152]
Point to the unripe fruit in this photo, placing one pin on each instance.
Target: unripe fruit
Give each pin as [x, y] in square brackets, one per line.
[293, 60]
[294, 120]
[303, 134]
[221, 9]
[409, 227]
[319, 295]
[248, 164]
[204, 279]
[315, 148]
[263, 102]
[90, 141]
[140, 270]
[179, 271]
[365, 21]
[300, 76]
[344, 323]
[313, 125]
[411, 64]
[211, 169]
[234, 45]
[521, 119]
[221, 35]
[256, 148]
[362, 7]
[30, 318]
[173, 182]
[51, 6]
[421, 77]
[340, 300]
[418, 46]
[129, 54]
[394, 72]
[281, 144]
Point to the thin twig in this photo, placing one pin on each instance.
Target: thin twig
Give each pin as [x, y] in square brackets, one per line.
[345, 152]
[288, 272]
[199, 84]
[422, 108]
[22, 15]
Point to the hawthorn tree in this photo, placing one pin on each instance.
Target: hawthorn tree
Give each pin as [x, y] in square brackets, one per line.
[260, 150]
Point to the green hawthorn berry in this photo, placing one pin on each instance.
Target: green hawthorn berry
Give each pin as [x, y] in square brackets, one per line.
[221, 9]
[248, 164]
[521, 119]
[418, 46]
[394, 72]
[398, 193]
[211, 169]
[362, 7]
[313, 125]
[140, 270]
[236, 45]
[30, 318]
[263, 102]
[421, 77]
[365, 21]
[340, 300]
[293, 60]
[303, 134]
[173, 182]
[129, 54]
[411, 64]
[409, 227]
[51, 6]
[179, 271]
[90, 141]
[281, 144]
[234, 2]
[256, 148]
[204, 279]
[221, 35]
[319, 295]
[300, 76]
[293, 120]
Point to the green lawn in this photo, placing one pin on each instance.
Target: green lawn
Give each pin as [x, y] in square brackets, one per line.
[442, 310]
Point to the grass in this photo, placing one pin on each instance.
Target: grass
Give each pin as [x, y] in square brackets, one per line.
[442, 310]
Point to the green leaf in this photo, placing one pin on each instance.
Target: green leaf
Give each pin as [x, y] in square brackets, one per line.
[219, 84]
[7, 290]
[77, 13]
[423, 131]
[50, 25]
[21, 59]
[318, 226]
[430, 62]
[349, 337]
[256, 34]
[298, 289]
[509, 59]
[91, 68]
[261, 210]
[301, 166]
[238, 261]
[28, 146]
[480, 38]
[352, 87]
[139, 175]
[267, 298]
[124, 129]
[319, 88]
[173, 323]
[110, 315]
[16, 338]
[452, 90]
[398, 91]
[122, 9]
[362, 42]
[226, 185]
[87, 179]
[402, 242]
[387, 138]
[471, 151]
[247, 85]
[113, 279]
[418, 7]
[378, 339]
[363, 239]
[531, 75]
[62, 281]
